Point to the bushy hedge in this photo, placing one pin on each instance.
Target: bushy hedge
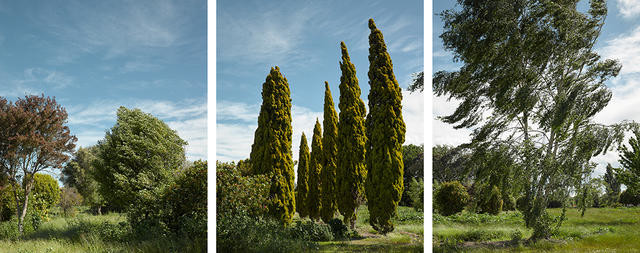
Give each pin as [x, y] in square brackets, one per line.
[240, 195]
[451, 198]
[521, 203]
[554, 203]
[186, 200]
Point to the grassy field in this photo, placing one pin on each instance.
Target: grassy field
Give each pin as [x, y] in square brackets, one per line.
[86, 233]
[408, 235]
[600, 230]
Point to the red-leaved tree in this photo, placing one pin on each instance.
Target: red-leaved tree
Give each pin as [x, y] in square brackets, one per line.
[33, 138]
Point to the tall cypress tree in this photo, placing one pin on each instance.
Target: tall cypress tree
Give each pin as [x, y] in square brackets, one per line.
[313, 203]
[303, 178]
[330, 151]
[385, 135]
[351, 172]
[271, 149]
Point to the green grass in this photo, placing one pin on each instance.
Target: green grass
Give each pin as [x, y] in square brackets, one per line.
[86, 233]
[408, 235]
[600, 230]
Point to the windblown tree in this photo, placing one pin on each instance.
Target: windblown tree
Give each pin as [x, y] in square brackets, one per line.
[33, 138]
[530, 66]
[385, 136]
[351, 170]
[313, 203]
[136, 161]
[271, 149]
[302, 187]
[330, 152]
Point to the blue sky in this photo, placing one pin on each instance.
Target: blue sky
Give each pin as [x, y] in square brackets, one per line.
[94, 56]
[620, 39]
[303, 39]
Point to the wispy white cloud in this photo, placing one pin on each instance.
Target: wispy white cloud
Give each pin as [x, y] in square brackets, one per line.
[269, 37]
[413, 115]
[625, 48]
[97, 27]
[629, 8]
[228, 110]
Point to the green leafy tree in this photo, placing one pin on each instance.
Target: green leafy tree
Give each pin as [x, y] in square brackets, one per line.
[416, 190]
[33, 137]
[313, 203]
[413, 163]
[630, 161]
[302, 187]
[612, 184]
[136, 161]
[351, 171]
[417, 84]
[271, 149]
[79, 174]
[385, 135]
[533, 65]
[451, 163]
[330, 153]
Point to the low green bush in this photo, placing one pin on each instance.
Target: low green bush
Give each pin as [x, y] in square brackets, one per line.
[493, 203]
[451, 198]
[311, 231]
[509, 203]
[630, 197]
[339, 229]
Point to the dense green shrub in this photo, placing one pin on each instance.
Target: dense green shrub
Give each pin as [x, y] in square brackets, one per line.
[339, 229]
[629, 197]
[7, 203]
[451, 198]
[243, 233]
[186, 200]
[493, 204]
[240, 195]
[508, 203]
[416, 194]
[311, 231]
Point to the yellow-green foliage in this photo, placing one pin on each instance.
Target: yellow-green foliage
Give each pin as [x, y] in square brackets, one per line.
[271, 149]
[330, 151]
[46, 194]
[302, 187]
[451, 198]
[493, 204]
[351, 171]
[313, 203]
[385, 136]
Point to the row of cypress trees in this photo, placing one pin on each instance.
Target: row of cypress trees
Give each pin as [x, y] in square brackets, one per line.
[354, 157]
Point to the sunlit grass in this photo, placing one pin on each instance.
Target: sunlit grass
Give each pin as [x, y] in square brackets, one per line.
[600, 230]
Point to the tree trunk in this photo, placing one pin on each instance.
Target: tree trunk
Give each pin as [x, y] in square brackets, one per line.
[99, 210]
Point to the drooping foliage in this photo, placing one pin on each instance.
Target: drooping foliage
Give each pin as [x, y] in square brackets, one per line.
[271, 149]
[533, 65]
[313, 203]
[385, 136]
[329, 157]
[34, 138]
[302, 187]
[351, 171]
[136, 162]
